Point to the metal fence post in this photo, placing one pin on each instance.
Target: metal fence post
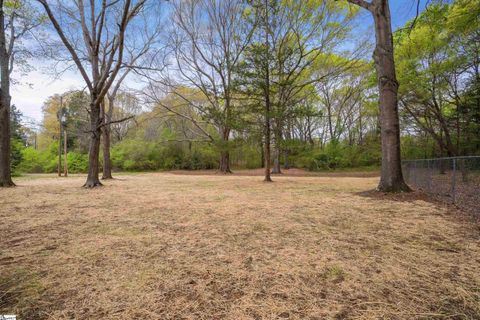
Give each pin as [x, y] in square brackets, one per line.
[429, 172]
[454, 179]
[439, 172]
[414, 171]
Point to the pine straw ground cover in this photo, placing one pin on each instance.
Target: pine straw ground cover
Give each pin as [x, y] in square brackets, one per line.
[166, 246]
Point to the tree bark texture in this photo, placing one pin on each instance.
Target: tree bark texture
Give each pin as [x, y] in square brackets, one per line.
[391, 179]
[5, 170]
[5, 147]
[224, 163]
[276, 160]
[107, 162]
[94, 149]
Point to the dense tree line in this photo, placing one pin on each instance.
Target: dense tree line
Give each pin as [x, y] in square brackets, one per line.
[439, 68]
[258, 83]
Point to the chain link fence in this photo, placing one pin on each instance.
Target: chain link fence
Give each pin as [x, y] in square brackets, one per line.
[455, 180]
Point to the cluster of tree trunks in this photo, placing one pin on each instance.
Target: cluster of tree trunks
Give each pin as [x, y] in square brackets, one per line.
[104, 56]
[105, 68]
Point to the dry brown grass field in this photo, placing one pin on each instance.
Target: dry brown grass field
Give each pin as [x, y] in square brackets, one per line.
[187, 246]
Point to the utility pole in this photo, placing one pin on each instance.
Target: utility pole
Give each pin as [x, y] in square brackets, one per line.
[65, 163]
[63, 125]
[59, 116]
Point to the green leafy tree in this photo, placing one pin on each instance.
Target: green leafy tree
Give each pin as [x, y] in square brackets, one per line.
[18, 138]
[438, 63]
[17, 20]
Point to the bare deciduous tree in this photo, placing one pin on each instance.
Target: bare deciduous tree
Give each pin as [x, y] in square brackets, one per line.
[208, 39]
[141, 40]
[94, 34]
[304, 36]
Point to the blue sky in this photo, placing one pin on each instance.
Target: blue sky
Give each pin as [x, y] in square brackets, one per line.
[29, 98]
[404, 10]
[401, 11]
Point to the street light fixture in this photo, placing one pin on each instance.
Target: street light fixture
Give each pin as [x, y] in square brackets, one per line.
[62, 119]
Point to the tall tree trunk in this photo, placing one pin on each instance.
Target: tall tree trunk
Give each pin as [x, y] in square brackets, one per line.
[268, 106]
[277, 152]
[224, 162]
[267, 151]
[107, 162]
[360, 127]
[94, 149]
[391, 175]
[59, 161]
[449, 145]
[5, 136]
[262, 155]
[267, 128]
[5, 170]
[286, 164]
[288, 137]
[65, 153]
[224, 153]
[329, 117]
[276, 161]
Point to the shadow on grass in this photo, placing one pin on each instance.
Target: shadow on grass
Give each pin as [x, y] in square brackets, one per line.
[417, 195]
[400, 197]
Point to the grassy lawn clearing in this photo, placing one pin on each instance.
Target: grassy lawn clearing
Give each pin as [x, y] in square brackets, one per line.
[184, 246]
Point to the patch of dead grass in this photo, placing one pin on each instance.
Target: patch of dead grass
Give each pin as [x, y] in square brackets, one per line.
[165, 246]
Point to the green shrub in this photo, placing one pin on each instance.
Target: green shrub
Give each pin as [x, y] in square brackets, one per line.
[134, 155]
[337, 155]
[77, 162]
[31, 161]
[46, 161]
[36, 161]
[16, 155]
[252, 156]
